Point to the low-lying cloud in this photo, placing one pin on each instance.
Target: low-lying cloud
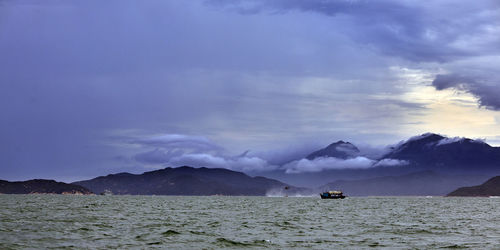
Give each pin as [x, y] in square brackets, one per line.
[327, 163]
[391, 163]
[446, 140]
[177, 158]
[243, 163]
[331, 163]
[184, 150]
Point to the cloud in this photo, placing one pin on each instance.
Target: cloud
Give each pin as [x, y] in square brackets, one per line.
[398, 146]
[487, 91]
[399, 28]
[391, 163]
[286, 71]
[448, 81]
[445, 141]
[177, 158]
[179, 142]
[157, 156]
[327, 163]
[197, 151]
[348, 148]
[371, 151]
[288, 153]
[175, 150]
[243, 163]
[420, 137]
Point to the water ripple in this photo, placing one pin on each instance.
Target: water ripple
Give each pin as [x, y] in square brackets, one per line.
[65, 221]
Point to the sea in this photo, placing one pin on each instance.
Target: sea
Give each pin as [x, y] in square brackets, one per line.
[215, 222]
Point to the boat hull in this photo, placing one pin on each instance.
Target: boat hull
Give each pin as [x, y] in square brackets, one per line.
[332, 197]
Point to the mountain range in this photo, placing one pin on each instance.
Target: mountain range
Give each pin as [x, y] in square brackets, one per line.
[436, 152]
[442, 155]
[428, 164]
[428, 151]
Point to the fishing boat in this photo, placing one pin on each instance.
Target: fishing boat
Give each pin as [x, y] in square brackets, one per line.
[332, 195]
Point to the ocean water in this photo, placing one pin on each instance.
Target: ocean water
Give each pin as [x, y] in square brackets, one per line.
[67, 221]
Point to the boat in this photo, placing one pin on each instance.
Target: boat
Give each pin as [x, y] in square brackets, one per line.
[332, 195]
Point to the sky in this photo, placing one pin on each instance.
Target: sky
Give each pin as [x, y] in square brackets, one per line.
[93, 87]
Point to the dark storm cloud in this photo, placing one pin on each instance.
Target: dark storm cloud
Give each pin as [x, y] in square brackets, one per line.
[448, 81]
[398, 28]
[415, 32]
[77, 77]
[488, 93]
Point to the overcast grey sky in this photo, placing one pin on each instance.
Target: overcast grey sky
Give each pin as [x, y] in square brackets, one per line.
[95, 87]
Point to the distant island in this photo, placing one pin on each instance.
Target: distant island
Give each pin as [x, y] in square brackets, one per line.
[39, 186]
[489, 188]
[186, 181]
[169, 181]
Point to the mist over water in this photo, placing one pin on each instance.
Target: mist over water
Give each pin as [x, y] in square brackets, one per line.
[41, 221]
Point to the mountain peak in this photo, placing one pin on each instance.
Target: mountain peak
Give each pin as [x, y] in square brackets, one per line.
[436, 151]
[339, 149]
[426, 137]
[428, 140]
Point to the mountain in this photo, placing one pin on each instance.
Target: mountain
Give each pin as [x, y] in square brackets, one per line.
[340, 149]
[185, 181]
[489, 188]
[436, 152]
[442, 155]
[39, 186]
[419, 183]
